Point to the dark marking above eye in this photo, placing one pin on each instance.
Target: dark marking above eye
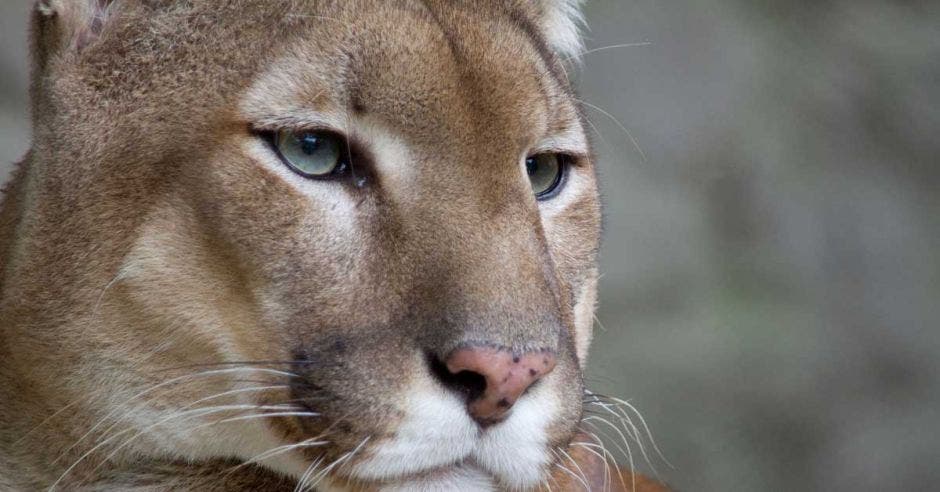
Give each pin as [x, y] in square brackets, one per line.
[358, 107]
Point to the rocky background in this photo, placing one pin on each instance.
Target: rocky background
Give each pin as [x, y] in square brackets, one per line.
[771, 289]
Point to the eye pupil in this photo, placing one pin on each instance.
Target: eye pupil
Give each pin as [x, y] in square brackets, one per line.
[531, 166]
[545, 173]
[309, 143]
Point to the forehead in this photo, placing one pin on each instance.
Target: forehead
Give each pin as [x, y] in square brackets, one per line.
[428, 69]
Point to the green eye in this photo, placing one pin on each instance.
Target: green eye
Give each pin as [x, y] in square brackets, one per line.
[312, 154]
[545, 172]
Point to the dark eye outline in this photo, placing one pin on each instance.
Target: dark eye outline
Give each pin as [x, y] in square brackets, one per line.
[564, 163]
[342, 169]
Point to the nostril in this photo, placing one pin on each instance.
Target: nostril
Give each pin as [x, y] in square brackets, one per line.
[468, 383]
[491, 378]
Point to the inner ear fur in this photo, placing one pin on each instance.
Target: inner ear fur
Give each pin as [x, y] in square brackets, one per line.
[69, 24]
[561, 23]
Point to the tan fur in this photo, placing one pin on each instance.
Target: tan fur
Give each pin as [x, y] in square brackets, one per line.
[149, 237]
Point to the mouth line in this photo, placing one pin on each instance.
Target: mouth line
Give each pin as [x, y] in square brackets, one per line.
[430, 473]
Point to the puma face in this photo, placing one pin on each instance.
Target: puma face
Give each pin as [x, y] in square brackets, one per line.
[351, 242]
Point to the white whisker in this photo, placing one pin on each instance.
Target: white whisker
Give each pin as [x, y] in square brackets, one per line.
[208, 398]
[88, 397]
[609, 47]
[649, 434]
[633, 431]
[599, 444]
[306, 443]
[603, 460]
[198, 412]
[301, 484]
[156, 387]
[587, 488]
[626, 452]
[346, 457]
[636, 145]
[576, 465]
[258, 416]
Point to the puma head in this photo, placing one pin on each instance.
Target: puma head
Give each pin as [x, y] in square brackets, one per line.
[349, 242]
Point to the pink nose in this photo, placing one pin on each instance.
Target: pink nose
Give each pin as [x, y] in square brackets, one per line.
[507, 376]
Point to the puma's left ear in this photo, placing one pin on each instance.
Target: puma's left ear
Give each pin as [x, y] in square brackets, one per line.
[71, 24]
[562, 21]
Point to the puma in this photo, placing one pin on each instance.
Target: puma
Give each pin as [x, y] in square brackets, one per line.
[301, 245]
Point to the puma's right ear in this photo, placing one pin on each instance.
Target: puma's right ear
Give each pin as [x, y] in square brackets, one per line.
[70, 24]
[562, 21]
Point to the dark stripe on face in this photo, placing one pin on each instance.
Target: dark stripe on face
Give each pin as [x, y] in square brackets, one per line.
[522, 23]
[452, 43]
[524, 26]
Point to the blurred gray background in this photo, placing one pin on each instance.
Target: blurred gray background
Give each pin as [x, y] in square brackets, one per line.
[771, 289]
